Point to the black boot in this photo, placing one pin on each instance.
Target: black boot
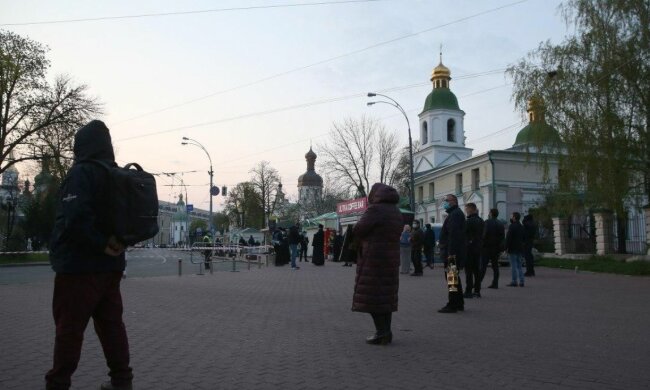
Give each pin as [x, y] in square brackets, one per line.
[382, 335]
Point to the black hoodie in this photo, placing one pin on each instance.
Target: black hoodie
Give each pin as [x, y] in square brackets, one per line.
[82, 226]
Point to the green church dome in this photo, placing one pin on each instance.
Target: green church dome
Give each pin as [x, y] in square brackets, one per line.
[537, 134]
[441, 98]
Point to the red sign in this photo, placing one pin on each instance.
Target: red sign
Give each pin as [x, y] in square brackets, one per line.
[353, 206]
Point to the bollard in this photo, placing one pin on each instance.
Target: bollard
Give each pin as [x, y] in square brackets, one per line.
[180, 267]
[234, 264]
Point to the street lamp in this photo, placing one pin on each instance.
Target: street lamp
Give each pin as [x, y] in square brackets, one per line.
[394, 103]
[189, 141]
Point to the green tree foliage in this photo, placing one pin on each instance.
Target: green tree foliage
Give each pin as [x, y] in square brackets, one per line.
[221, 222]
[596, 86]
[40, 213]
[37, 118]
[244, 206]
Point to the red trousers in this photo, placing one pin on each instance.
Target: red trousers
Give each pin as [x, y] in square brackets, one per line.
[77, 298]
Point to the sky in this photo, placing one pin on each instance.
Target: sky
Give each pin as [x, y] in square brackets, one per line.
[266, 83]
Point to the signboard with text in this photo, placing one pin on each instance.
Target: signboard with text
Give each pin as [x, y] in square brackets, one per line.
[354, 206]
[190, 208]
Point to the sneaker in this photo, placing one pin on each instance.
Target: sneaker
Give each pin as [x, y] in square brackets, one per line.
[448, 309]
[477, 295]
[513, 284]
[494, 286]
[295, 268]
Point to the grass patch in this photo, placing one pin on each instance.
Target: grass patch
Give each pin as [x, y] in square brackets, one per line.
[602, 264]
[25, 258]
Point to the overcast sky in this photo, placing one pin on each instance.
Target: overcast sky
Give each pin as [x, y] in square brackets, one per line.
[137, 66]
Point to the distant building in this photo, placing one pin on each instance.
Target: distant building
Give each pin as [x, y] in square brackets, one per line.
[310, 186]
[174, 222]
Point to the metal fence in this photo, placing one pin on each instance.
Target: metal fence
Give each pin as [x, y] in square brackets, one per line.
[635, 235]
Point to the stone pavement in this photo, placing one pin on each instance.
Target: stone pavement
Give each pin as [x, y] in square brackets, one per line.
[280, 329]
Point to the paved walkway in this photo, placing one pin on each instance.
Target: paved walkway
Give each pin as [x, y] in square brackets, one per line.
[280, 329]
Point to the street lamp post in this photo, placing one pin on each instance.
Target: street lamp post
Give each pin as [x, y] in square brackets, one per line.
[189, 141]
[394, 103]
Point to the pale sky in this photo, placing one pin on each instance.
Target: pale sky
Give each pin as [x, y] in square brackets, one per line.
[139, 65]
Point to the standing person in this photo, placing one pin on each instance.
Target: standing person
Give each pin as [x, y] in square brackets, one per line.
[251, 241]
[493, 240]
[304, 245]
[405, 250]
[474, 229]
[453, 244]
[417, 241]
[349, 249]
[530, 231]
[318, 257]
[88, 261]
[338, 245]
[515, 249]
[294, 240]
[429, 244]
[277, 247]
[207, 252]
[377, 281]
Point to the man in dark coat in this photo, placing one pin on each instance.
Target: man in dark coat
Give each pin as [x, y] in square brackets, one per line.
[338, 245]
[474, 229]
[530, 231]
[429, 244]
[304, 245]
[348, 249]
[377, 282]
[417, 241]
[493, 240]
[515, 249]
[318, 257]
[453, 243]
[88, 261]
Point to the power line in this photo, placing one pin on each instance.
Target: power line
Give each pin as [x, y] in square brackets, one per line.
[296, 106]
[205, 11]
[321, 62]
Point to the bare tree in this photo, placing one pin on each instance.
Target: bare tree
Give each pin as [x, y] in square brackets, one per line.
[266, 180]
[388, 153]
[31, 110]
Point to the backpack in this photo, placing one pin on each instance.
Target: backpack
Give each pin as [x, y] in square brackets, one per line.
[133, 202]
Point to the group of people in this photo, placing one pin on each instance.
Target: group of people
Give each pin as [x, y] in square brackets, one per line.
[291, 246]
[466, 242]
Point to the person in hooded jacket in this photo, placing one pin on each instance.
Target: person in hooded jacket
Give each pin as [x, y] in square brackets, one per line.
[318, 256]
[377, 281]
[453, 242]
[88, 261]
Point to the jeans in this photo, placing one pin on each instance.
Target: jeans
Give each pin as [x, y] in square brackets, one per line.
[294, 253]
[77, 299]
[515, 267]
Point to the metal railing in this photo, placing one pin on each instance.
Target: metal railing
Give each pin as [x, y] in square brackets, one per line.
[202, 254]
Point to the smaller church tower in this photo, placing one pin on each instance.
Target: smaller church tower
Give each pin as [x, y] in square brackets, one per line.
[538, 135]
[442, 132]
[310, 183]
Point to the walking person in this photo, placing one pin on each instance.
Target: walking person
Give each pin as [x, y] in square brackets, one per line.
[530, 232]
[318, 257]
[453, 245]
[405, 250]
[429, 244]
[349, 248]
[474, 229]
[88, 261]
[493, 240]
[377, 281]
[304, 245]
[293, 240]
[515, 249]
[417, 242]
[207, 242]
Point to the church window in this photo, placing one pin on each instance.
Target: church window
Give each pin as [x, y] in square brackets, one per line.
[451, 130]
[420, 194]
[476, 179]
[432, 192]
[425, 133]
[459, 184]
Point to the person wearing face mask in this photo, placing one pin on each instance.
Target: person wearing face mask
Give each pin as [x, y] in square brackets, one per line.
[417, 241]
[453, 243]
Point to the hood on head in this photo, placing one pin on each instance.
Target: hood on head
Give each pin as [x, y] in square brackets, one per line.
[382, 193]
[93, 141]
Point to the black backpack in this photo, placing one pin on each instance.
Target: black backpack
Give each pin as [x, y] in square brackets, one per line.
[133, 202]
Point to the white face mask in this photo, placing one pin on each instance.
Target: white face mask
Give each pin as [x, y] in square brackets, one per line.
[415, 226]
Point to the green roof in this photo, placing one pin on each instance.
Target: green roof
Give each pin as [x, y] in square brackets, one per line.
[538, 133]
[441, 98]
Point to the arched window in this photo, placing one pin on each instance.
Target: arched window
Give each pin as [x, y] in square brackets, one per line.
[451, 130]
[425, 133]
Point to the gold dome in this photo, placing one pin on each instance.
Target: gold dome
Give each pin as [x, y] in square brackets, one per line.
[440, 71]
[536, 109]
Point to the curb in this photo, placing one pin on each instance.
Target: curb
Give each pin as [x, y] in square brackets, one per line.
[23, 264]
